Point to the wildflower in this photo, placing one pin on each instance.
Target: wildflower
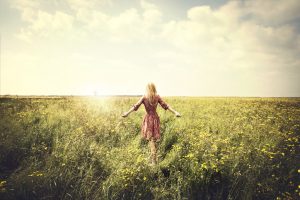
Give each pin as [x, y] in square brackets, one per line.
[259, 184]
[36, 173]
[203, 165]
[139, 159]
[190, 155]
[2, 183]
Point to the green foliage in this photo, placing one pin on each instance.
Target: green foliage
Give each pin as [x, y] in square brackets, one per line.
[81, 148]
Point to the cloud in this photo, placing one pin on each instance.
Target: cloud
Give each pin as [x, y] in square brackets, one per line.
[41, 23]
[151, 14]
[46, 25]
[28, 8]
[90, 18]
[91, 4]
[273, 12]
[131, 23]
[209, 31]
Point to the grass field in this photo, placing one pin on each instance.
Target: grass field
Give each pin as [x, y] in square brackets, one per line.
[80, 148]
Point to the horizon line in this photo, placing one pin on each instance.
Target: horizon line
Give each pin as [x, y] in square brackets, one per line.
[135, 95]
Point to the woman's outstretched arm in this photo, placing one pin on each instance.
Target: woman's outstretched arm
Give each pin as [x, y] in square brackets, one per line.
[167, 106]
[125, 114]
[135, 107]
[174, 111]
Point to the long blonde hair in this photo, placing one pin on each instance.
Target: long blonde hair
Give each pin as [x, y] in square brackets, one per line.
[151, 92]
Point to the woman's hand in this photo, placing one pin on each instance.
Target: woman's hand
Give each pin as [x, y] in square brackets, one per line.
[125, 114]
[174, 112]
[177, 114]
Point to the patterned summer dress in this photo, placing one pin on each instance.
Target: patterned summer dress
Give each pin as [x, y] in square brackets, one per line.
[151, 121]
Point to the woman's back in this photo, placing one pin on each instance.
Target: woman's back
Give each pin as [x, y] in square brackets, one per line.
[151, 106]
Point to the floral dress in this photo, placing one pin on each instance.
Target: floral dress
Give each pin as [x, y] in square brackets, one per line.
[151, 121]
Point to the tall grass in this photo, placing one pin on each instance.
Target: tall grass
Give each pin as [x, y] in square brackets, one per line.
[80, 148]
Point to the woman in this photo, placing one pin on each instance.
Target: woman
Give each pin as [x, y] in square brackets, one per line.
[151, 122]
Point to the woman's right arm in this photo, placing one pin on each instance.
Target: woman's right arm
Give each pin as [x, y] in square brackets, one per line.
[135, 107]
[125, 114]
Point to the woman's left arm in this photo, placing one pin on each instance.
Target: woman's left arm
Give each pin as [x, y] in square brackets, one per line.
[174, 112]
[167, 107]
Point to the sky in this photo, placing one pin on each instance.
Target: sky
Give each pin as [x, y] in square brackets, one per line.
[116, 47]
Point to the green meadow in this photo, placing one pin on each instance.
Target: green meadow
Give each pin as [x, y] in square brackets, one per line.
[81, 148]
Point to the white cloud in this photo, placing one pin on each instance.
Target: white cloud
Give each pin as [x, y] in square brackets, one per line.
[28, 8]
[151, 14]
[125, 26]
[91, 4]
[128, 25]
[47, 25]
[273, 12]
[41, 23]
[208, 31]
